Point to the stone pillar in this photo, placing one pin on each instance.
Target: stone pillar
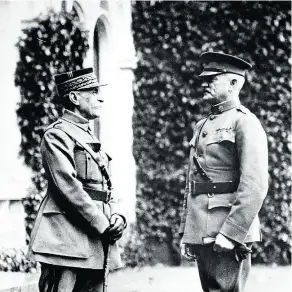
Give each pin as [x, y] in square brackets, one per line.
[114, 58]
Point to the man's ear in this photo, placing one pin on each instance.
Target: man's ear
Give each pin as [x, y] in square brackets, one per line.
[73, 96]
[233, 82]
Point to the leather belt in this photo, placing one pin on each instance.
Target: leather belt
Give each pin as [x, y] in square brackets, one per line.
[219, 187]
[97, 195]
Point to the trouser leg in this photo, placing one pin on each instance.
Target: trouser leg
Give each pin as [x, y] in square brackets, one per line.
[220, 272]
[56, 279]
[67, 280]
[89, 281]
[63, 279]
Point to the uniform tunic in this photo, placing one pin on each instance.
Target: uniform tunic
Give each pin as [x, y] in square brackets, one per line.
[231, 146]
[69, 223]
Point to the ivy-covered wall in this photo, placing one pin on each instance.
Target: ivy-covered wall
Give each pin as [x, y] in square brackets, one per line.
[53, 42]
[169, 37]
[50, 43]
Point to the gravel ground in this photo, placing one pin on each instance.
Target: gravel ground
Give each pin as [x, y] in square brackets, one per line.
[186, 279]
[162, 279]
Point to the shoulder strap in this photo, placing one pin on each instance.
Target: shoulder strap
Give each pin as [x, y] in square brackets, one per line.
[198, 165]
[70, 131]
[200, 127]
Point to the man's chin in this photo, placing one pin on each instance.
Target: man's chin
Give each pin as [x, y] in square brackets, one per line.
[208, 97]
[93, 116]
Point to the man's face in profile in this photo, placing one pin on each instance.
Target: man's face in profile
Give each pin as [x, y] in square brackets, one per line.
[90, 102]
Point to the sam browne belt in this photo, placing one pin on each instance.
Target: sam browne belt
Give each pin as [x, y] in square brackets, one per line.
[97, 195]
[209, 186]
[219, 187]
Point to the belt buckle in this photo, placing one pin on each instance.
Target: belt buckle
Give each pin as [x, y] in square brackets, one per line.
[210, 195]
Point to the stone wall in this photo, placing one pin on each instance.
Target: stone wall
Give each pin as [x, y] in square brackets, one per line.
[14, 176]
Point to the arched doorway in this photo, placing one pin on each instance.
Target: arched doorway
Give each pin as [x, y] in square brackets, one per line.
[101, 59]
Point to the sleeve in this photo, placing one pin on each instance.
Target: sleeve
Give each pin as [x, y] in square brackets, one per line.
[58, 158]
[185, 203]
[196, 131]
[251, 143]
[187, 186]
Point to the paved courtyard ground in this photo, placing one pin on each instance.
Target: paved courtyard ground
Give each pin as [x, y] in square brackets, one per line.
[186, 279]
[163, 279]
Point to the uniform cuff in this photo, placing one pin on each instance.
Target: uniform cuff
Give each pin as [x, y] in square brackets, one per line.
[100, 223]
[233, 231]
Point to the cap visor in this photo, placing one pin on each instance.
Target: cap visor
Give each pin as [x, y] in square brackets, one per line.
[93, 85]
[209, 73]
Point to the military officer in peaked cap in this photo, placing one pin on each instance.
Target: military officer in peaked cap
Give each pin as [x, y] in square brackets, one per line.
[80, 215]
[227, 180]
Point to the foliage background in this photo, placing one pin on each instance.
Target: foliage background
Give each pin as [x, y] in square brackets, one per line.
[53, 42]
[169, 37]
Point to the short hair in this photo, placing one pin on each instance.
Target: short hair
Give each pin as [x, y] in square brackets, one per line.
[240, 80]
[66, 102]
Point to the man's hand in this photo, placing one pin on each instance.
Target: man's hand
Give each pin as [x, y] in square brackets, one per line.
[116, 228]
[185, 252]
[222, 244]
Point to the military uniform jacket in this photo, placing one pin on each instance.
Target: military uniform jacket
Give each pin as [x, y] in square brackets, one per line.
[231, 146]
[69, 223]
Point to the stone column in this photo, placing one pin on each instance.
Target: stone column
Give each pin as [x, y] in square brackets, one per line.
[111, 24]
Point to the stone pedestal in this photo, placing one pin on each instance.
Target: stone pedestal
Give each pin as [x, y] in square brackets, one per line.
[12, 227]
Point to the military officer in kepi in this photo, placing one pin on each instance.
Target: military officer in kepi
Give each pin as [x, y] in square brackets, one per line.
[79, 220]
[227, 180]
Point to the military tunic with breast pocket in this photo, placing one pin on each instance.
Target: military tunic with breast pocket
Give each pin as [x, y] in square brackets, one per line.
[69, 222]
[231, 145]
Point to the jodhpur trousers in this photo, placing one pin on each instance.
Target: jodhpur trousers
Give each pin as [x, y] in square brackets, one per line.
[64, 279]
[220, 271]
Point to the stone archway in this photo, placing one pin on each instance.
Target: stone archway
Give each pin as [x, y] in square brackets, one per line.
[101, 59]
[78, 10]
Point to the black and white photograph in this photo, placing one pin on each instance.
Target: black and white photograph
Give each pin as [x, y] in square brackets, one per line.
[145, 146]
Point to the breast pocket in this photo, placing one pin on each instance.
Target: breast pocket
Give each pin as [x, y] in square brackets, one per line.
[81, 162]
[221, 151]
[86, 167]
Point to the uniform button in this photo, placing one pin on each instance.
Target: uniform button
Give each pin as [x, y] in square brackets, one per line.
[220, 108]
[212, 118]
[204, 134]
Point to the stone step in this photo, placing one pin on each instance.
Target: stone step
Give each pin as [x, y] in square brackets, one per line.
[18, 282]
